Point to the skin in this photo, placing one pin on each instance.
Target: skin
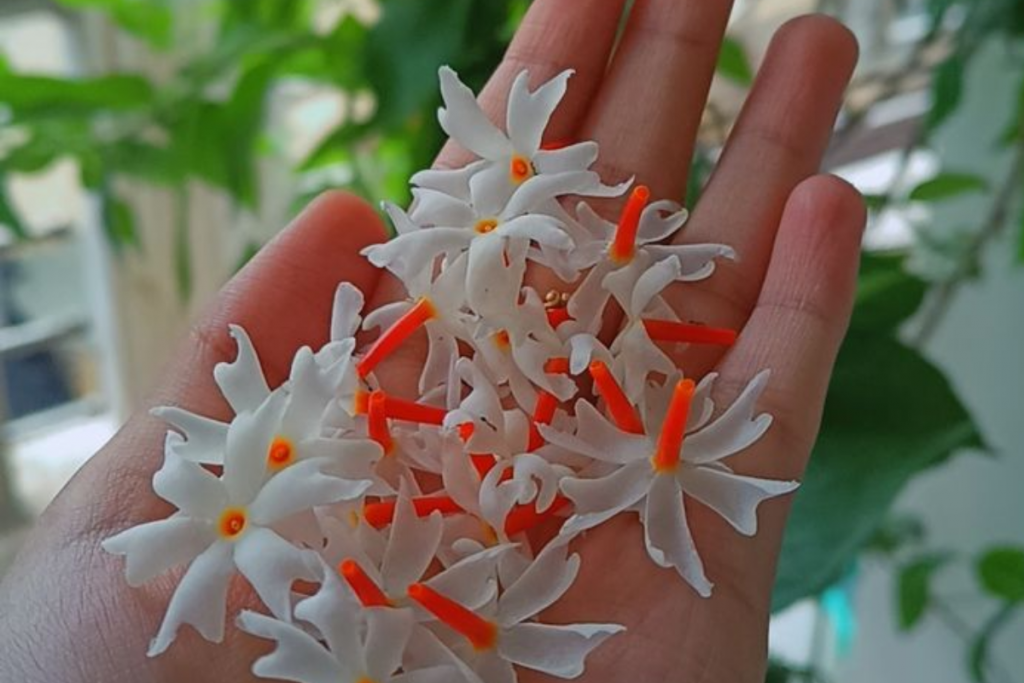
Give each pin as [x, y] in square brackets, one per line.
[66, 613]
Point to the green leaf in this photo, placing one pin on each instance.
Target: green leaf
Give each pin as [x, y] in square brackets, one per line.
[887, 294]
[947, 90]
[244, 114]
[1020, 238]
[31, 96]
[119, 223]
[876, 202]
[733, 62]
[914, 588]
[9, 217]
[404, 50]
[1001, 573]
[143, 161]
[948, 186]
[149, 20]
[889, 415]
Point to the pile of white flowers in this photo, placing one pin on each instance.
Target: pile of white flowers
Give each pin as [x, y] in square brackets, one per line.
[409, 525]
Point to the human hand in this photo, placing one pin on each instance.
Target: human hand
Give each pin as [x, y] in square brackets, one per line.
[68, 616]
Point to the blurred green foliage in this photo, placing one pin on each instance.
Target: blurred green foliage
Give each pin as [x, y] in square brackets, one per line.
[890, 414]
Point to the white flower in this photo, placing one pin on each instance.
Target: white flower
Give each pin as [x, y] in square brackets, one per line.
[437, 306]
[379, 575]
[226, 523]
[503, 633]
[679, 457]
[359, 646]
[509, 160]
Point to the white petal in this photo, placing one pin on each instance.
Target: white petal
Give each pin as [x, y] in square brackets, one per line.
[453, 182]
[411, 546]
[471, 581]
[598, 500]
[413, 253]
[531, 357]
[491, 189]
[442, 352]
[545, 581]
[659, 220]
[199, 599]
[667, 535]
[387, 632]
[204, 438]
[249, 438]
[439, 209]
[556, 650]
[300, 487]
[577, 157]
[697, 261]
[345, 316]
[736, 429]
[529, 113]
[588, 302]
[494, 277]
[242, 381]
[464, 120]
[542, 188]
[298, 656]
[387, 315]
[652, 283]
[604, 441]
[541, 229]
[152, 548]
[308, 397]
[733, 496]
[190, 487]
[272, 564]
[337, 616]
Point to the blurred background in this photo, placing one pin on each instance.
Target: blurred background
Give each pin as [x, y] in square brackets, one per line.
[149, 147]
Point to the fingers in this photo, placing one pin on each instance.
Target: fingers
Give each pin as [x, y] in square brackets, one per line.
[799, 321]
[646, 115]
[778, 141]
[554, 35]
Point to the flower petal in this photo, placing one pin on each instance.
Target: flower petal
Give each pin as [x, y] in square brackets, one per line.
[494, 276]
[435, 674]
[556, 650]
[272, 565]
[735, 430]
[204, 439]
[297, 657]
[471, 580]
[733, 496]
[652, 283]
[387, 632]
[152, 548]
[541, 229]
[539, 189]
[439, 209]
[336, 614]
[190, 487]
[598, 500]
[659, 220]
[242, 381]
[249, 438]
[345, 315]
[529, 112]
[546, 580]
[576, 157]
[302, 486]
[199, 599]
[464, 120]
[453, 182]
[697, 261]
[668, 538]
[413, 253]
[411, 546]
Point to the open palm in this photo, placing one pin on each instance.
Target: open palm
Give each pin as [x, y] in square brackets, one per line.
[65, 612]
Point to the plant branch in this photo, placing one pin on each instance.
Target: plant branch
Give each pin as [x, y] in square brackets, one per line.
[998, 215]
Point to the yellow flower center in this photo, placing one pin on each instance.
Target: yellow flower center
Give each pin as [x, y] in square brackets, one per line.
[281, 453]
[520, 169]
[232, 523]
[486, 225]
